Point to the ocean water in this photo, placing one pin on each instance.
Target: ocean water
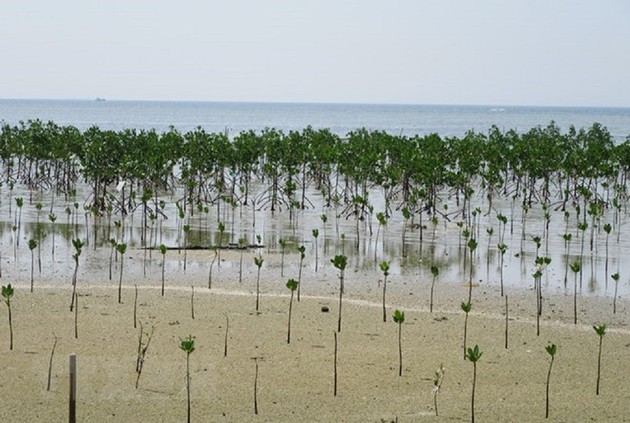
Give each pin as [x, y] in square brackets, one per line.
[339, 118]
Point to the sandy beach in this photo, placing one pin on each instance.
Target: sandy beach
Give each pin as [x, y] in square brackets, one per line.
[295, 381]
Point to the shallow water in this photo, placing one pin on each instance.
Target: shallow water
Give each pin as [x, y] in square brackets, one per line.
[441, 245]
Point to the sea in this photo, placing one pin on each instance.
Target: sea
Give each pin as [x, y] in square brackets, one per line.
[234, 117]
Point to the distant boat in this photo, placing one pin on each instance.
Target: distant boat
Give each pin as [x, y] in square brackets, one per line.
[100, 99]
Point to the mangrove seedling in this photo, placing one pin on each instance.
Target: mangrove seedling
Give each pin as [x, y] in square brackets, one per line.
[121, 248]
[385, 268]
[227, 330]
[188, 346]
[192, 302]
[292, 284]
[472, 246]
[283, 244]
[435, 272]
[399, 318]
[32, 244]
[502, 249]
[466, 307]
[78, 245]
[112, 243]
[221, 227]
[601, 331]
[615, 277]
[186, 228]
[215, 250]
[163, 252]
[316, 235]
[143, 346]
[576, 266]
[259, 262]
[7, 293]
[340, 262]
[241, 247]
[256, 386]
[473, 355]
[551, 350]
[52, 217]
[50, 363]
[438, 379]
[302, 250]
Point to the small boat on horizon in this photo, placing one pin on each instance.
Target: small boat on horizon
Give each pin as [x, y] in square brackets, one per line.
[99, 99]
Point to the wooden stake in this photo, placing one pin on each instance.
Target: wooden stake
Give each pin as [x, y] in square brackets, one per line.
[73, 388]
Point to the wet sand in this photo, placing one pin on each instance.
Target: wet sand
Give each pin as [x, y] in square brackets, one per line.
[296, 380]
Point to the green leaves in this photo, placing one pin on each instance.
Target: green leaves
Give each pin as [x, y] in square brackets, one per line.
[258, 261]
[576, 266]
[340, 262]
[121, 248]
[7, 293]
[292, 284]
[466, 307]
[163, 249]
[600, 330]
[187, 344]
[551, 349]
[315, 233]
[302, 250]
[399, 317]
[384, 265]
[474, 354]
[32, 244]
[615, 277]
[435, 271]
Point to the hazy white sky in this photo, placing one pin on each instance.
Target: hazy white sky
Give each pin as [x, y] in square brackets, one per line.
[522, 52]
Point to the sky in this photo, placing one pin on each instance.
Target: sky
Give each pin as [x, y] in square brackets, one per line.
[490, 52]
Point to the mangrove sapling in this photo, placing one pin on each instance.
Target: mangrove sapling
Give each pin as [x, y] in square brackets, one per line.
[221, 227]
[551, 350]
[192, 302]
[302, 250]
[52, 217]
[466, 307]
[215, 250]
[19, 202]
[292, 284]
[241, 247]
[340, 262]
[607, 229]
[473, 355]
[188, 346]
[256, 386]
[32, 244]
[399, 317]
[382, 221]
[259, 262]
[283, 244]
[143, 346]
[385, 268]
[507, 321]
[435, 272]
[490, 232]
[112, 243]
[582, 226]
[186, 233]
[438, 379]
[38, 229]
[567, 246]
[135, 306]
[575, 267]
[335, 366]
[615, 277]
[472, 245]
[121, 248]
[163, 252]
[601, 331]
[316, 235]
[227, 330]
[78, 245]
[7, 293]
[50, 362]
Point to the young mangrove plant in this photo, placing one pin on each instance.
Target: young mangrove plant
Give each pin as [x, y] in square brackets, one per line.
[438, 379]
[32, 244]
[215, 250]
[241, 247]
[144, 339]
[575, 267]
[259, 262]
[121, 248]
[163, 252]
[302, 251]
[7, 293]
[188, 346]
[466, 307]
[399, 318]
[52, 217]
[473, 355]
[384, 265]
[551, 350]
[435, 271]
[472, 246]
[340, 262]
[292, 284]
[283, 244]
[601, 331]
[78, 245]
[615, 277]
[316, 236]
[50, 363]
[502, 249]
[186, 228]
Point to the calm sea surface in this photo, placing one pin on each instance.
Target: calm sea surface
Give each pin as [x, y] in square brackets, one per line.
[339, 118]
